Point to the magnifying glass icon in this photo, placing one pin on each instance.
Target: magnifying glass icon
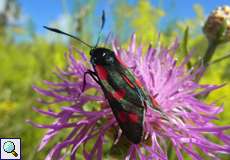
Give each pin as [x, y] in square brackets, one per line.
[9, 147]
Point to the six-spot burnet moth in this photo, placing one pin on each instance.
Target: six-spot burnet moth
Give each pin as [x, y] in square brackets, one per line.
[124, 92]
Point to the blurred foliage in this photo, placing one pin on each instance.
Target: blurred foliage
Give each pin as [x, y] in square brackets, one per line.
[140, 18]
[27, 63]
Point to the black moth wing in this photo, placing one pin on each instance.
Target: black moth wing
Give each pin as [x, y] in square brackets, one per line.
[129, 109]
[132, 130]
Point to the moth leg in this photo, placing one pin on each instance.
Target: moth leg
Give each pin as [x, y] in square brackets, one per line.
[118, 136]
[93, 75]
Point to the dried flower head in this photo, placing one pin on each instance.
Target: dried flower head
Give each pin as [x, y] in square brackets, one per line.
[88, 118]
[218, 19]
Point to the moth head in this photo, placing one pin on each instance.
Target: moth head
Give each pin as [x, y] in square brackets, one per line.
[102, 56]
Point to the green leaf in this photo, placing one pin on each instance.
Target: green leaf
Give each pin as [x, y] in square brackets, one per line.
[185, 41]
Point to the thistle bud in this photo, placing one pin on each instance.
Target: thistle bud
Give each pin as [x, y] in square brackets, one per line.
[217, 26]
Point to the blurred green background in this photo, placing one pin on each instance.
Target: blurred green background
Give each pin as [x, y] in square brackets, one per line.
[28, 54]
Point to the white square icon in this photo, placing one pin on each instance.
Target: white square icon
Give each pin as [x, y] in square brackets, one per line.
[10, 148]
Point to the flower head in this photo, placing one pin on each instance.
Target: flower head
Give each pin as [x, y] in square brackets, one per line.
[88, 118]
[219, 19]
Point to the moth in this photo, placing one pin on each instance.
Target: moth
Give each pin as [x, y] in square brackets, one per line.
[124, 92]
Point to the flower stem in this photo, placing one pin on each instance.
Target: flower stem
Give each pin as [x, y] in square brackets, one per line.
[212, 45]
[170, 151]
[209, 53]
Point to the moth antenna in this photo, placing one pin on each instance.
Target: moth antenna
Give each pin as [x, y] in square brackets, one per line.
[102, 26]
[61, 32]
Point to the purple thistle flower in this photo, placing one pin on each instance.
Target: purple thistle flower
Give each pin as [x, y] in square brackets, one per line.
[189, 119]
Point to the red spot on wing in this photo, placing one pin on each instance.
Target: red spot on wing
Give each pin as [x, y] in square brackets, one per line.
[133, 117]
[119, 94]
[120, 61]
[128, 81]
[122, 116]
[102, 72]
[138, 82]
